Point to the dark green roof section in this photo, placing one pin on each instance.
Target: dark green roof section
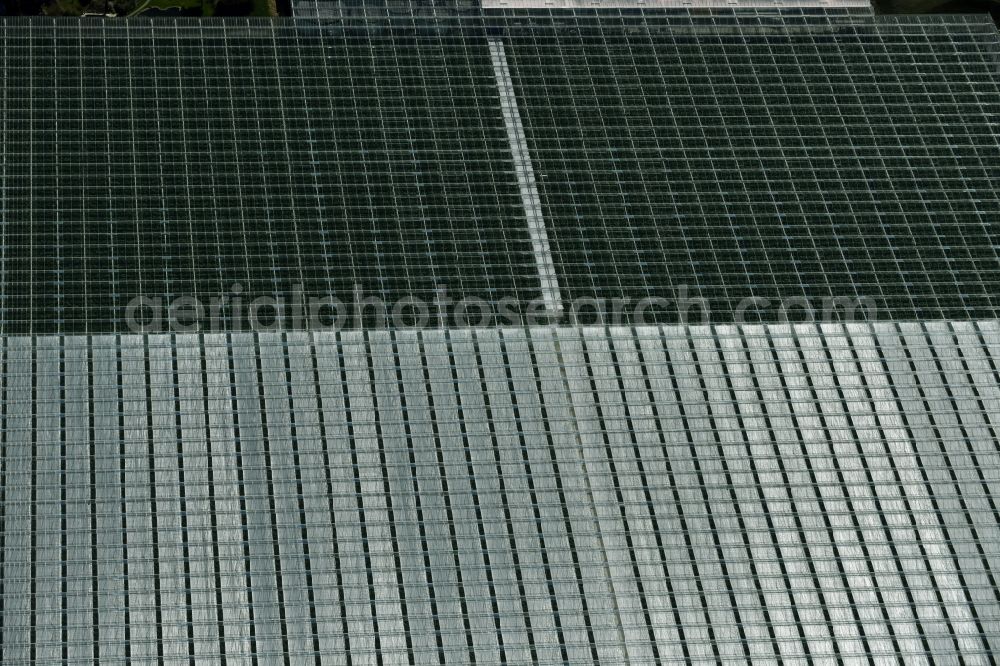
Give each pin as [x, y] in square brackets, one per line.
[808, 155]
[798, 153]
[178, 158]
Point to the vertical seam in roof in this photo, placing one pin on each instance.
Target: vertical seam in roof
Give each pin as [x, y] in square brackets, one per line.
[4, 114]
[526, 179]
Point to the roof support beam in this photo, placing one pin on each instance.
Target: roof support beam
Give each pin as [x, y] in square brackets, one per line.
[526, 180]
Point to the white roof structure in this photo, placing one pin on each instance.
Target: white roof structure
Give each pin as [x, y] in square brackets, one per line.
[620, 496]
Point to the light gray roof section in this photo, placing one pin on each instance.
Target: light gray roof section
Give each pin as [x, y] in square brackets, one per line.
[618, 495]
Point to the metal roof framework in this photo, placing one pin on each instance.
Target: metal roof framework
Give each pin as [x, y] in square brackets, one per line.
[634, 493]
